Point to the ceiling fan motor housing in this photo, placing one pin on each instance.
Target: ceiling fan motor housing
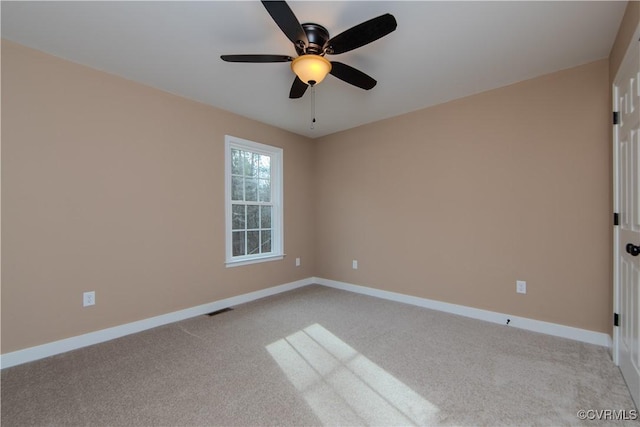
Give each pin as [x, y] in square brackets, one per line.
[318, 37]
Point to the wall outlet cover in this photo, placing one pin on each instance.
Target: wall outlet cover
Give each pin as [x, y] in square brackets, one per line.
[88, 298]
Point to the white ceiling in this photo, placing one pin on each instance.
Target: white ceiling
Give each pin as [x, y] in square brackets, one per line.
[440, 51]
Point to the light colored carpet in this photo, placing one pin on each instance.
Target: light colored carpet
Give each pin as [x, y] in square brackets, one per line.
[319, 356]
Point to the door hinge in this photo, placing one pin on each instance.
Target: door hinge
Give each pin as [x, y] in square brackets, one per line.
[616, 118]
[616, 218]
[616, 319]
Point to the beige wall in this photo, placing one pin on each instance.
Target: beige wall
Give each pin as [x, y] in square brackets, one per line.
[112, 186]
[457, 202]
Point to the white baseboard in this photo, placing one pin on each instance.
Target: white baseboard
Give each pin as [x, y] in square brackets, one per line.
[583, 335]
[50, 349]
[45, 350]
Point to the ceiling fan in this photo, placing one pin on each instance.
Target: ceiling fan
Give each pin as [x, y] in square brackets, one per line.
[312, 43]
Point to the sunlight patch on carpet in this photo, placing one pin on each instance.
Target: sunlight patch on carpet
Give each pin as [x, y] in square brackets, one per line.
[344, 387]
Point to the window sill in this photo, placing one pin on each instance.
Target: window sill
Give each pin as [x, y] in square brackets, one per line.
[239, 263]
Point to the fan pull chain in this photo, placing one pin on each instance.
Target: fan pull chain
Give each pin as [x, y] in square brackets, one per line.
[313, 107]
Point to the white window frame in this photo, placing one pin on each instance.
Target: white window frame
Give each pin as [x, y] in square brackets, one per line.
[277, 233]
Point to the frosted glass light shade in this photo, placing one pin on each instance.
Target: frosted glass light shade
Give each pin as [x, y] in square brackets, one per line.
[311, 69]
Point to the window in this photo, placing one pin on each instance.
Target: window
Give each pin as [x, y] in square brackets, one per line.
[253, 180]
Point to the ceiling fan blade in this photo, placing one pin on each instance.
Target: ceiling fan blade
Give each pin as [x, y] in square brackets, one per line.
[362, 34]
[298, 88]
[352, 76]
[256, 58]
[287, 21]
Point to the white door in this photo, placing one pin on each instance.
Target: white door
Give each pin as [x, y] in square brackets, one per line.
[626, 92]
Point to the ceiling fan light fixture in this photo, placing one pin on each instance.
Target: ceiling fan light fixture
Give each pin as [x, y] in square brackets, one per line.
[310, 68]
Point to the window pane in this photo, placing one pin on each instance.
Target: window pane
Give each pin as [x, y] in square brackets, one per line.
[266, 241]
[253, 242]
[237, 186]
[253, 216]
[236, 162]
[251, 189]
[264, 167]
[265, 221]
[251, 164]
[238, 243]
[238, 217]
[264, 190]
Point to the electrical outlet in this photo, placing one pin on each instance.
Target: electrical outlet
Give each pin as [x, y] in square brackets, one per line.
[354, 264]
[521, 286]
[297, 262]
[88, 298]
